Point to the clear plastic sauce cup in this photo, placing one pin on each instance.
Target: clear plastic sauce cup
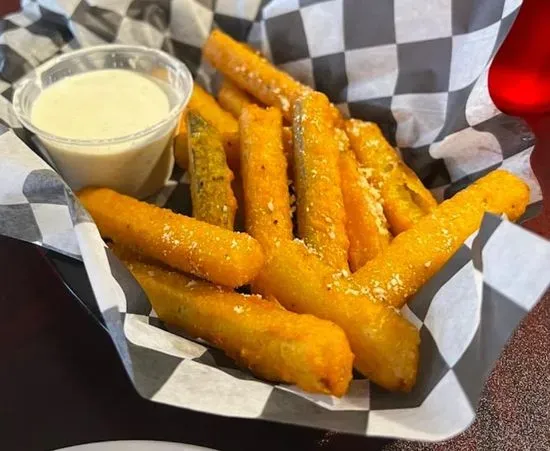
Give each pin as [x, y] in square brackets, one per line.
[138, 164]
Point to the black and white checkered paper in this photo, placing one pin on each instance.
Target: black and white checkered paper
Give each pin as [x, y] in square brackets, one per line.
[419, 69]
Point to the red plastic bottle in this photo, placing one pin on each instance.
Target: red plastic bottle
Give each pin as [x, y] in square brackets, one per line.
[519, 84]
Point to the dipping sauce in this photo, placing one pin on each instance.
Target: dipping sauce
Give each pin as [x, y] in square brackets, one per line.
[108, 104]
[100, 105]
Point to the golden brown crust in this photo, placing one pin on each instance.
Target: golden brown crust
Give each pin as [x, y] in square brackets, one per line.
[384, 343]
[406, 199]
[263, 171]
[252, 73]
[215, 254]
[366, 224]
[320, 206]
[417, 254]
[273, 343]
[233, 99]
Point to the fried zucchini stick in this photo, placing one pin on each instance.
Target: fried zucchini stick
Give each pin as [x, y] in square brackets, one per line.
[417, 254]
[384, 343]
[406, 199]
[233, 99]
[211, 194]
[224, 122]
[271, 342]
[320, 206]
[263, 171]
[366, 224]
[254, 74]
[210, 252]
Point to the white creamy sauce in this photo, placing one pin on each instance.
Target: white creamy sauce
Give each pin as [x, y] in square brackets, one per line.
[101, 104]
[105, 104]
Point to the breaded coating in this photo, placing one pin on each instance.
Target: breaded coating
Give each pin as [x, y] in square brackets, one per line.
[210, 252]
[204, 104]
[254, 74]
[211, 194]
[263, 172]
[320, 205]
[271, 342]
[366, 224]
[416, 255]
[233, 99]
[405, 198]
[384, 343]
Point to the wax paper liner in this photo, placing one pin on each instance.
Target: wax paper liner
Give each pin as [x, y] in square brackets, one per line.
[420, 71]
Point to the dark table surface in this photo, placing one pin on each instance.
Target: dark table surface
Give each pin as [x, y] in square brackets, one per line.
[61, 382]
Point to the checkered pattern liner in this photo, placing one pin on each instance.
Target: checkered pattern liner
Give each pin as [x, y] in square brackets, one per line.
[418, 71]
